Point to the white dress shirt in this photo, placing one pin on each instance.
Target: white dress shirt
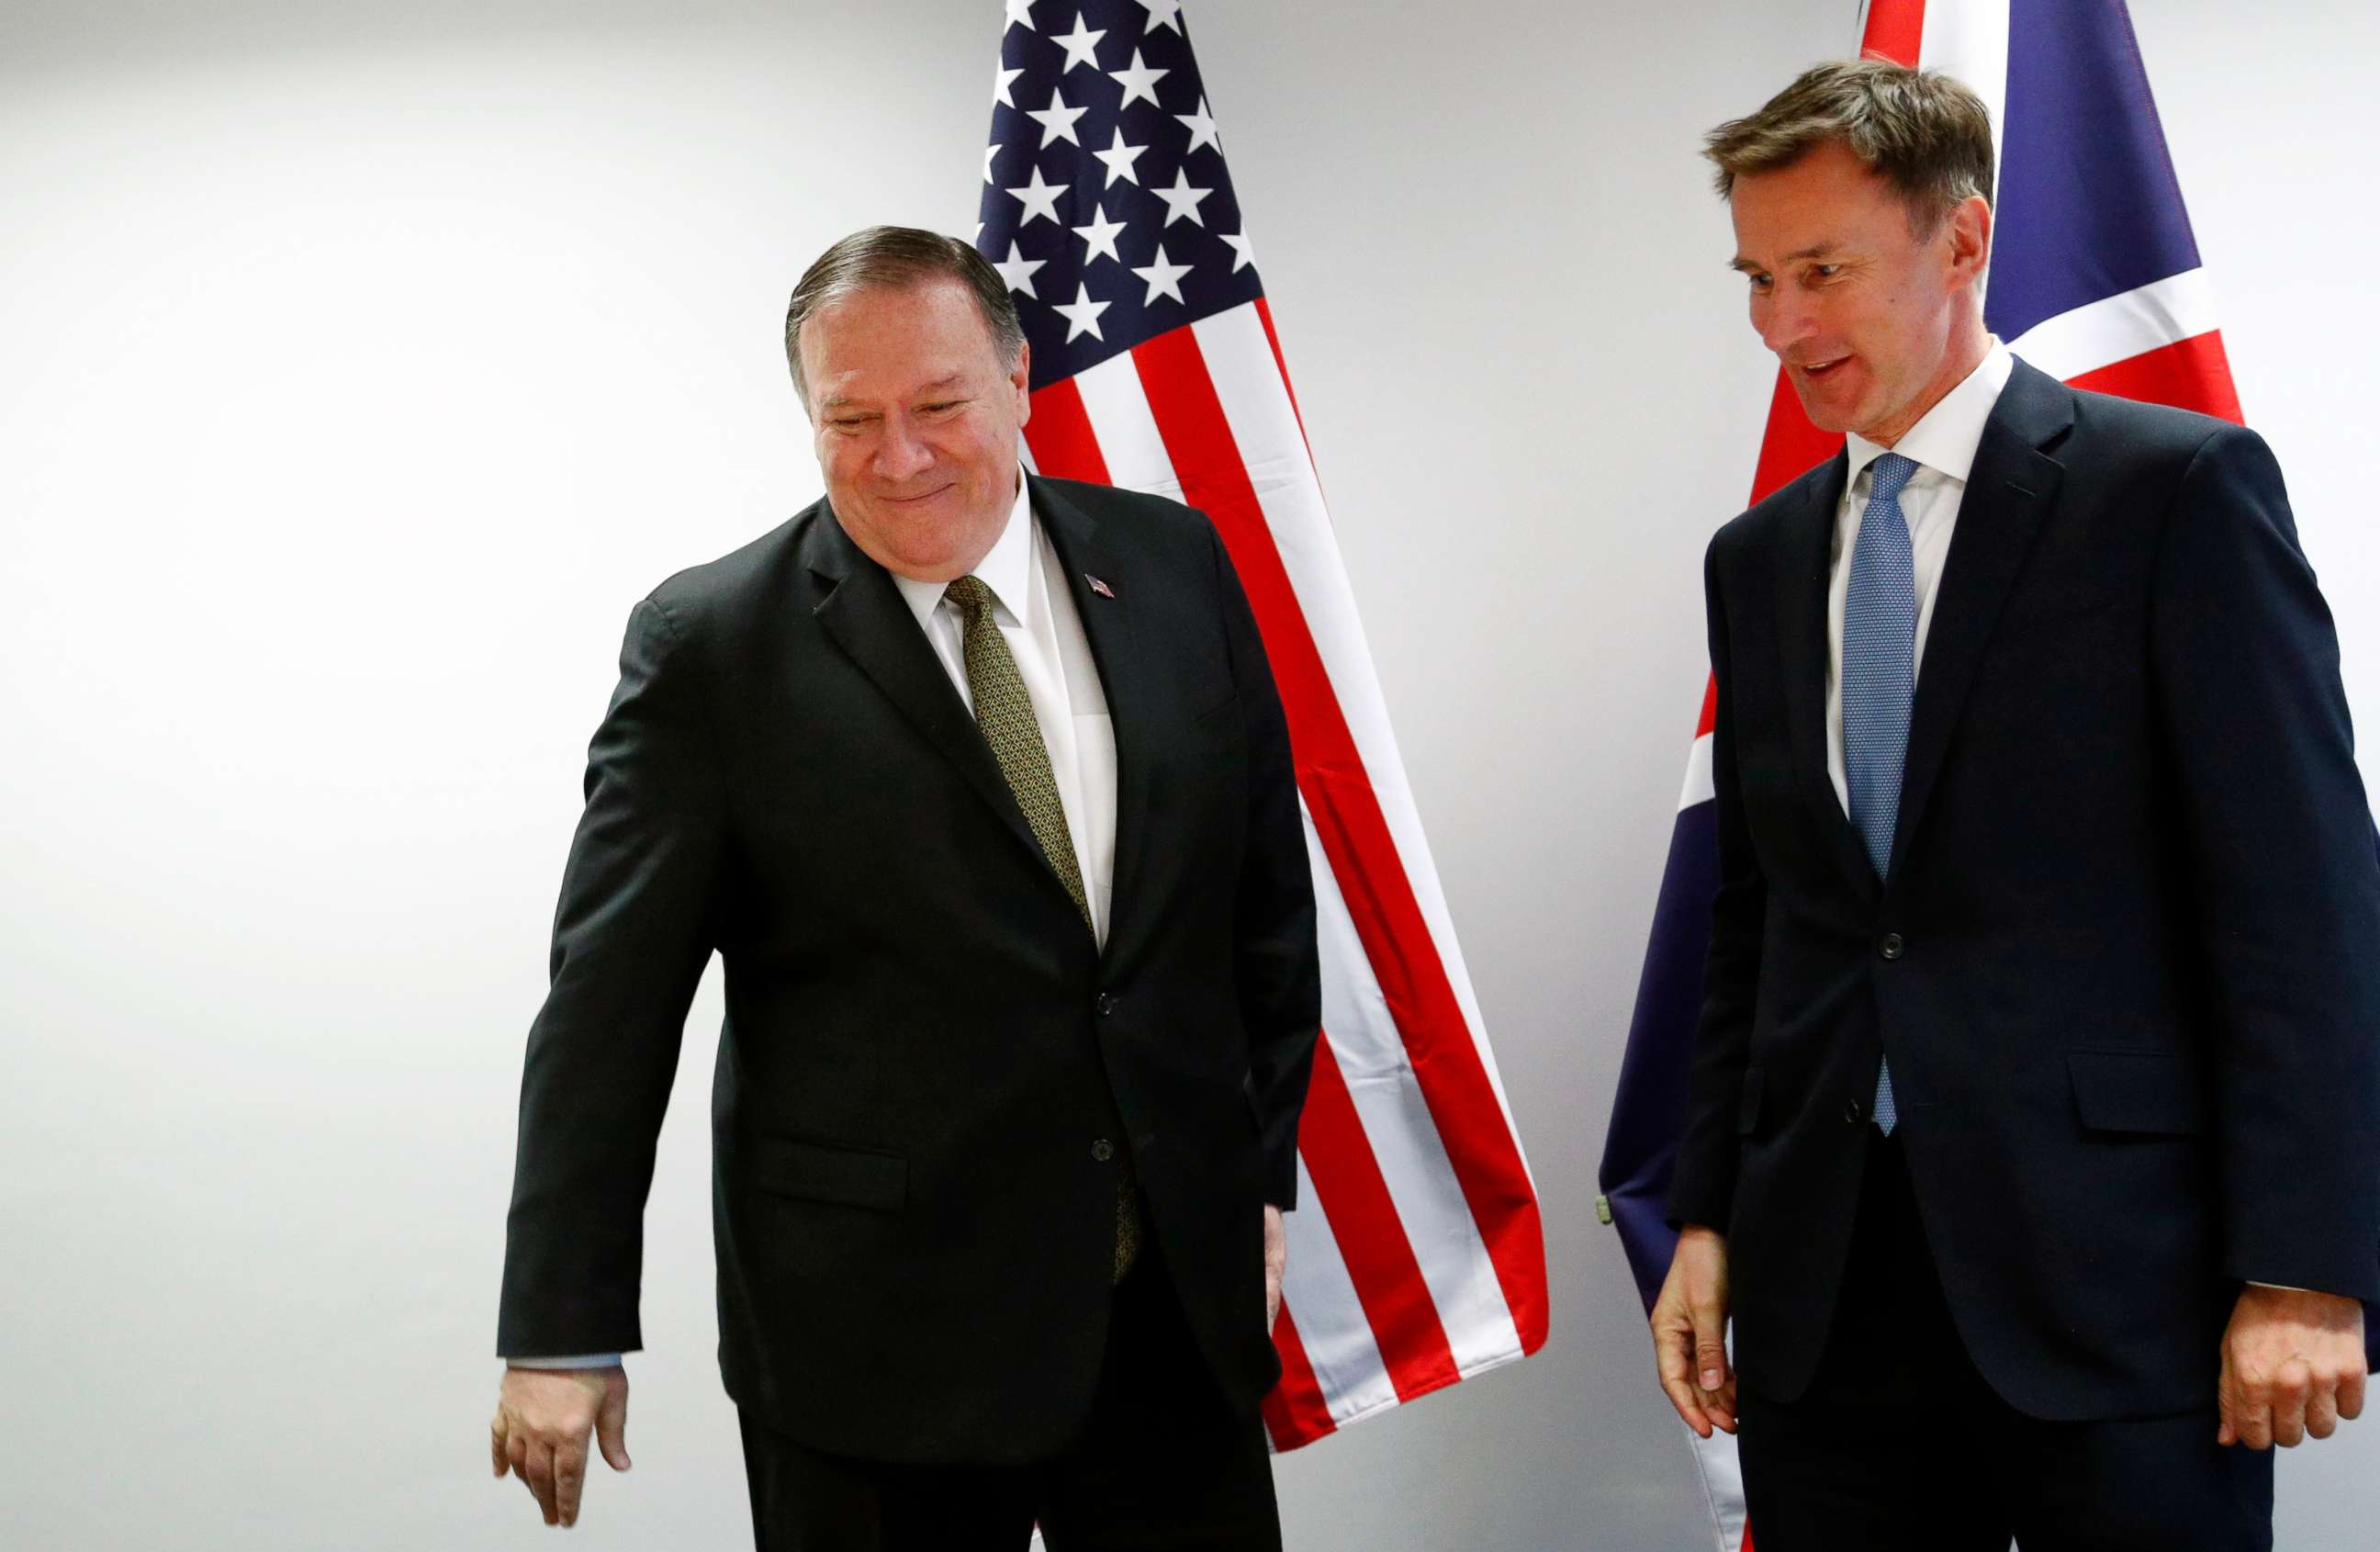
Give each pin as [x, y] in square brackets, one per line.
[1035, 610]
[1943, 445]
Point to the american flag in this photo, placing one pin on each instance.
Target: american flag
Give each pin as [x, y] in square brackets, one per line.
[1415, 1256]
[2095, 280]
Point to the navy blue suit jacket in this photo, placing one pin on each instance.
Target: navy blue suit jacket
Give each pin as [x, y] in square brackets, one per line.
[2126, 957]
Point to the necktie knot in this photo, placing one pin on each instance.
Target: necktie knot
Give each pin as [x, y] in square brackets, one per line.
[1888, 475]
[972, 595]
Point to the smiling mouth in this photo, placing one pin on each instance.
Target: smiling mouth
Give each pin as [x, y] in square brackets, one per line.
[912, 500]
[1820, 368]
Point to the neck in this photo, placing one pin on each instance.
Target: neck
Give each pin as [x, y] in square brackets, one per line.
[1970, 342]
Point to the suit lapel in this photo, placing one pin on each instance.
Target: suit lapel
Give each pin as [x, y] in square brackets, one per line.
[1803, 652]
[866, 615]
[1112, 622]
[2009, 492]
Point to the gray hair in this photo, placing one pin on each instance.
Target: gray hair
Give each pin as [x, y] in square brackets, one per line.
[1921, 131]
[896, 257]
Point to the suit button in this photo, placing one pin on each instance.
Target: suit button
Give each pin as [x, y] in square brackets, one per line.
[1107, 1003]
[1102, 1150]
[1853, 1112]
[1890, 945]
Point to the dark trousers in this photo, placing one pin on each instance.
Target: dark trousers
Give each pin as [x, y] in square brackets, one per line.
[1162, 1463]
[1899, 1444]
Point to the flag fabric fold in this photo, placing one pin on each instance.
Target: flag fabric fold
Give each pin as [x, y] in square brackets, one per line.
[1416, 1257]
[2095, 279]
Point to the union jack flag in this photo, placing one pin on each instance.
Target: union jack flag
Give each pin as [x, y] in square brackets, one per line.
[1415, 1256]
[2095, 279]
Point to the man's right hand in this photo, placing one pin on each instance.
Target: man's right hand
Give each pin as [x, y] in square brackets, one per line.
[539, 1434]
[1689, 1332]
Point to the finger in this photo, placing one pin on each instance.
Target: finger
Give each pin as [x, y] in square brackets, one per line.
[2290, 1390]
[570, 1478]
[2350, 1393]
[1672, 1357]
[2226, 1403]
[2321, 1413]
[517, 1455]
[2252, 1421]
[612, 1428]
[541, 1477]
[498, 1455]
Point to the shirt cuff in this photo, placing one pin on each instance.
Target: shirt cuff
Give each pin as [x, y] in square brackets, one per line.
[573, 1361]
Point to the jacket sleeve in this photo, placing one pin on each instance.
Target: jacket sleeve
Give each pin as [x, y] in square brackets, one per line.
[1702, 1188]
[2285, 887]
[631, 936]
[1277, 963]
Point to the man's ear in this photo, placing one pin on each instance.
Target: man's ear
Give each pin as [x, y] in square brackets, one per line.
[1969, 232]
[1022, 380]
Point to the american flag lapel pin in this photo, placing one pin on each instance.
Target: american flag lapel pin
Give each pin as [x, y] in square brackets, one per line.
[1099, 587]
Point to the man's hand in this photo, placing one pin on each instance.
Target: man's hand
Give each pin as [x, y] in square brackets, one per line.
[2292, 1365]
[1275, 1241]
[1689, 1332]
[539, 1432]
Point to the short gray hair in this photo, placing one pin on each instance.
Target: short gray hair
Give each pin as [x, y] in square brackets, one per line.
[1921, 131]
[896, 257]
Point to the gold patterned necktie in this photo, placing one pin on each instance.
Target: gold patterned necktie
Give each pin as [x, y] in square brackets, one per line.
[1004, 712]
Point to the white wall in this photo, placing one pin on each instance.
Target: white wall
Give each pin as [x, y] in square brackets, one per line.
[359, 372]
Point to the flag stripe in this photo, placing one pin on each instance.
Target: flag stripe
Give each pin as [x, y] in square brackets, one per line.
[1294, 1411]
[1339, 1345]
[1469, 1114]
[1263, 421]
[1059, 431]
[1895, 29]
[1372, 1240]
[2195, 373]
[1281, 364]
[2119, 327]
[1420, 1178]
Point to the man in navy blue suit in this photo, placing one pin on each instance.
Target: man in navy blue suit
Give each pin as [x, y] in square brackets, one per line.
[2034, 1145]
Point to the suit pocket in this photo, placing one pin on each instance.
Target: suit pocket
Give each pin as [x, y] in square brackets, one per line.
[1227, 707]
[2145, 1093]
[823, 1172]
[1747, 1106]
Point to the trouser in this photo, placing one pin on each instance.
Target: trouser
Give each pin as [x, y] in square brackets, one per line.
[1899, 1444]
[1163, 1461]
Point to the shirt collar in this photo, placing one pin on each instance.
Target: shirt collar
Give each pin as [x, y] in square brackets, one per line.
[1007, 570]
[1945, 437]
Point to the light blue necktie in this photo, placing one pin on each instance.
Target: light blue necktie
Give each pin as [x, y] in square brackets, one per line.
[1880, 679]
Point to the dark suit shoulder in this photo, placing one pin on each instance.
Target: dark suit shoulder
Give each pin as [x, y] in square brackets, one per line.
[752, 575]
[2130, 428]
[1757, 526]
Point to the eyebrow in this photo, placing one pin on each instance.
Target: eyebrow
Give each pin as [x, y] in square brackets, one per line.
[840, 400]
[1816, 250]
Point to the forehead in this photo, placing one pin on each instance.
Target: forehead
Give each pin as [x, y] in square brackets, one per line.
[1826, 198]
[893, 338]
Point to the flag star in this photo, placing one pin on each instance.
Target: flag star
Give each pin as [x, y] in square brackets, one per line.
[1020, 13]
[1182, 200]
[1040, 199]
[1163, 15]
[1099, 236]
[1082, 314]
[1001, 81]
[1242, 246]
[1081, 45]
[1057, 120]
[1202, 128]
[1164, 277]
[1139, 81]
[989, 152]
[1119, 158]
[1017, 270]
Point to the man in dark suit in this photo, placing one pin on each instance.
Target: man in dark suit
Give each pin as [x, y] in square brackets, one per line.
[2034, 1144]
[979, 785]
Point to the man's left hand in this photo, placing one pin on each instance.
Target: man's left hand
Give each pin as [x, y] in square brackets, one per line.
[2292, 1365]
[1275, 1241]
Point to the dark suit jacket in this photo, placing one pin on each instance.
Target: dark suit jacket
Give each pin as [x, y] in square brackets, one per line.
[2126, 962]
[929, 1076]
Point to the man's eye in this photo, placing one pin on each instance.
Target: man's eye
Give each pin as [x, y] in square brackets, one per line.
[1825, 272]
[1759, 281]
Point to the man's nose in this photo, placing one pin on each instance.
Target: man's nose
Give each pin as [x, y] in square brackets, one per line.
[900, 452]
[1781, 321]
